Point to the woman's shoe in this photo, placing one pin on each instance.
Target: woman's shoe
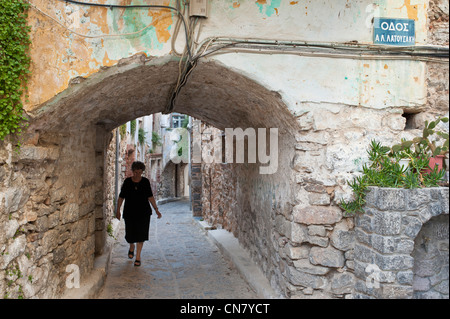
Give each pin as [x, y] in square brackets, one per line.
[130, 254]
[137, 263]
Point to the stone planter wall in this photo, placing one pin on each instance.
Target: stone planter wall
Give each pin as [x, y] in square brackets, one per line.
[389, 251]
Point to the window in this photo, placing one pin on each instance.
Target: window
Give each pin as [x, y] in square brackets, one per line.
[177, 120]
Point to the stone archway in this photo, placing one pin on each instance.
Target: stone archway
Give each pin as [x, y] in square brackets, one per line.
[431, 275]
[71, 133]
[401, 249]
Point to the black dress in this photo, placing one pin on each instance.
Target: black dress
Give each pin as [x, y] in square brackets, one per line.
[137, 210]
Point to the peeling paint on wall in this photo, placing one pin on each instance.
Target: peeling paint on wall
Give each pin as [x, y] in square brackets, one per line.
[411, 9]
[60, 55]
[269, 9]
[68, 41]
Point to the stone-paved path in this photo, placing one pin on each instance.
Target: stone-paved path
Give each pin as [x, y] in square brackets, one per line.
[178, 262]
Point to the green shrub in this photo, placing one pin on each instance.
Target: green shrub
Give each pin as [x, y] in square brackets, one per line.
[384, 170]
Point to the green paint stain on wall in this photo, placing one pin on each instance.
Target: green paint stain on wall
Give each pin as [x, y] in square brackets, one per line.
[269, 9]
[130, 21]
[261, 7]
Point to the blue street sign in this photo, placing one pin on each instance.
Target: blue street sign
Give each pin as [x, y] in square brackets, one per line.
[394, 31]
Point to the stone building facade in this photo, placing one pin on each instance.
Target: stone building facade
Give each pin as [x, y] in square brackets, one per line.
[315, 78]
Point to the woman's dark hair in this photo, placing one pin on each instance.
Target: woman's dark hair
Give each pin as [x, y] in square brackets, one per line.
[137, 165]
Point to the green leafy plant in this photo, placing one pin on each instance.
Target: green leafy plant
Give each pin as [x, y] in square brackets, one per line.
[426, 144]
[433, 178]
[110, 231]
[156, 139]
[133, 127]
[384, 170]
[141, 136]
[123, 131]
[14, 64]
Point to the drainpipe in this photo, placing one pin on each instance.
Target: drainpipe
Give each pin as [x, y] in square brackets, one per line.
[117, 168]
[190, 163]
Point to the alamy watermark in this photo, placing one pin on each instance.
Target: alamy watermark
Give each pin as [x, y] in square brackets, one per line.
[374, 277]
[73, 278]
[262, 148]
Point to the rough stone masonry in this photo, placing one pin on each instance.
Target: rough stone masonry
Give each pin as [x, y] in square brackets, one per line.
[402, 245]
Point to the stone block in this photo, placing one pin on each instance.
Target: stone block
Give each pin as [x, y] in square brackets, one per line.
[15, 198]
[59, 254]
[442, 275]
[305, 266]
[15, 249]
[425, 214]
[70, 213]
[298, 233]
[315, 188]
[315, 230]
[436, 208]
[391, 199]
[387, 223]
[79, 230]
[404, 246]
[49, 241]
[443, 288]
[342, 283]
[421, 284]
[412, 226]
[371, 196]
[343, 239]
[328, 257]
[405, 277]
[31, 215]
[11, 227]
[319, 199]
[364, 222]
[37, 153]
[297, 252]
[282, 225]
[425, 267]
[396, 292]
[444, 199]
[42, 224]
[318, 241]
[416, 198]
[317, 215]
[299, 278]
[364, 254]
[371, 291]
[362, 237]
[427, 295]
[394, 262]
[384, 244]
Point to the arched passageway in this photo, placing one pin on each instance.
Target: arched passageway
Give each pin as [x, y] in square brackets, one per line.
[76, 124]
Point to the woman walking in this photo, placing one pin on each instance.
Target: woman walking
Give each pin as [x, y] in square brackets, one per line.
[137, 193]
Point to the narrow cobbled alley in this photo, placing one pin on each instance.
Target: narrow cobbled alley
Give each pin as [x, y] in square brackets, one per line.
[178, 262]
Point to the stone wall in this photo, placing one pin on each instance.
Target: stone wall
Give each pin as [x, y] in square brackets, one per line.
[393, 256]
[437, 73]
[51, 204]
[438, 19]
[306, 251]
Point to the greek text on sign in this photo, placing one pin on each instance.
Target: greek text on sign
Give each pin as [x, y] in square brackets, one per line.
[394, 31]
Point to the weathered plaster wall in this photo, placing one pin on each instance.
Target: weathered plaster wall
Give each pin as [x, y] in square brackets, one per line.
[60, 55]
